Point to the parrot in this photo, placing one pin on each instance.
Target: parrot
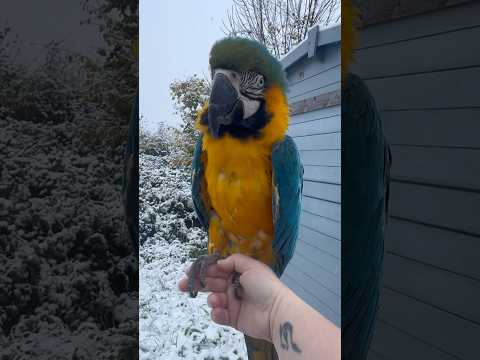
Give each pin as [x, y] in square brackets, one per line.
[366, 162]
[247, 175]
[131, 177]
[130, 169]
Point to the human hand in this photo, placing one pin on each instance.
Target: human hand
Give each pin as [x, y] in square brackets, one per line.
[261, 293]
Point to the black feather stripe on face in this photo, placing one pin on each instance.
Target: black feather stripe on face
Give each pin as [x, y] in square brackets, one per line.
[252, 85]
[251, 95]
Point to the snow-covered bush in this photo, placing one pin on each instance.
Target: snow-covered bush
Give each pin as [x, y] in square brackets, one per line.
[174, 145]
[156, 144]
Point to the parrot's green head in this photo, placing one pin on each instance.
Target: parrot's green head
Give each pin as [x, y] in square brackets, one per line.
[243, 72]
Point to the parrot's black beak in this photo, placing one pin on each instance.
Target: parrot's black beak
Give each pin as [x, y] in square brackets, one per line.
[224, 105]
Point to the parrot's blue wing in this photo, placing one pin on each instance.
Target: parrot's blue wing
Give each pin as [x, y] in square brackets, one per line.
[131, 177]
[287, 188]
[200, 200]
[365, 189]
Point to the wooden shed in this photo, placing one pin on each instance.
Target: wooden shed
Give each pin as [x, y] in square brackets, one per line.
[313, 73]
[421, 61]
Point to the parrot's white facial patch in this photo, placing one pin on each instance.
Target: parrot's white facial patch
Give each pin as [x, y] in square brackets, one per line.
[250, 106]
[240, 81]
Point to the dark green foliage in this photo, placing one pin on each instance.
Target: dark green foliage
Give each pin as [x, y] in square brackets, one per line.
[241, 54]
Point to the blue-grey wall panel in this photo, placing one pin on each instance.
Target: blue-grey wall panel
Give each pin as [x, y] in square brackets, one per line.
[454, 251]
[310, 298]
[307, 93]
[430, 114]
[321, 173]
[436, 327]
[314, 271]
[317, 126]
[326, 209]
[425, 282]
[427, 90]
[318, 81]
[323, 278]
[301, 271]
[315, 115]
[327, 59]
[387, 337]
[415, 27]
[323, 191]
[326, 243]
[426, 204]
[321, 157]
[316, 141]
[456, 167]
[415, 127]
[318, 261]
[437, 52]
[322, 225]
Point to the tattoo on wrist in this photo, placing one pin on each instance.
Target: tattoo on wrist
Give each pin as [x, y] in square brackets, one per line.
[286, 337]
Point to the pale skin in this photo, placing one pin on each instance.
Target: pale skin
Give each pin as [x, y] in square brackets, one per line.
[268, 310]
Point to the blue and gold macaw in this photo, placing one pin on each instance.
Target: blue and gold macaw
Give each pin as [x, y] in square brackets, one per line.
[130, 171]
[246, 174]
[131, 177]
[366, 162]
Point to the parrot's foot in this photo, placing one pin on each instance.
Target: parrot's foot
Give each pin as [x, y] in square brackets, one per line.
[236, 285]
[199, 270]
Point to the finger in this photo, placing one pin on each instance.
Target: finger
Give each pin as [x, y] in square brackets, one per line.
[213, 270]
[236, 262]
[216, 271]
[220, 316]
[211, 284]
[216, 285]
[217, 300]
[183, 284]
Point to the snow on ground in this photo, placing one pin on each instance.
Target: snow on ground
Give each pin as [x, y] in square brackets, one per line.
[173, 325]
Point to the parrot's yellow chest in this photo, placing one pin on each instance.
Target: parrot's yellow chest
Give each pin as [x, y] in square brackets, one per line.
[238, 176]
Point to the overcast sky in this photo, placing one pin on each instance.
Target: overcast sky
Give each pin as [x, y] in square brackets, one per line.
[40, 22]
[175, 40]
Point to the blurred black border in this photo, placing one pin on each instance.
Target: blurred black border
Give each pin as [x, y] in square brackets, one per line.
[69, 180]
[420, 60]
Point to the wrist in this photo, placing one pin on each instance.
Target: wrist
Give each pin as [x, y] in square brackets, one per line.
[280, 303]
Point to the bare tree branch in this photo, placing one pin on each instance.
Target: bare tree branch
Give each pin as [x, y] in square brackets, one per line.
[279, 24]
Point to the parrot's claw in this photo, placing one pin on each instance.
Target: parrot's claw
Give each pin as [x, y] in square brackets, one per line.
[236, 285]
[199, 270]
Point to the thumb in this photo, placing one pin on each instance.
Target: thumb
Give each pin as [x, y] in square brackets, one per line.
[236, 262]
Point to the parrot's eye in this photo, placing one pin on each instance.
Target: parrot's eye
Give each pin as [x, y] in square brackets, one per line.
[261, 82]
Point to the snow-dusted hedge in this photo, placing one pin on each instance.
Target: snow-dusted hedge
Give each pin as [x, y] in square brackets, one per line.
[68, 270]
